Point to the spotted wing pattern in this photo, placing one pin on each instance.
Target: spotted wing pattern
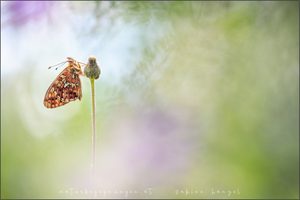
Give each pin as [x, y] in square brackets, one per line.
[66, 87]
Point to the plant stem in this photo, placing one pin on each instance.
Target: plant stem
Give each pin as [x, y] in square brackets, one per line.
[93, 124]
[92, 71]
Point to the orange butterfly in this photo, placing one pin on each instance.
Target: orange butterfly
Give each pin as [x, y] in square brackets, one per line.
[66, 87]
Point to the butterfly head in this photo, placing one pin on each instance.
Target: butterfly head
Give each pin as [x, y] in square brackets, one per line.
[74, 66]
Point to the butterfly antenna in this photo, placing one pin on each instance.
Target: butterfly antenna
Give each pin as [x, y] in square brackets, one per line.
[58, 65]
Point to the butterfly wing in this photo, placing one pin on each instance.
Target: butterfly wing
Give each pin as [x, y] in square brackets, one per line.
[65, 88]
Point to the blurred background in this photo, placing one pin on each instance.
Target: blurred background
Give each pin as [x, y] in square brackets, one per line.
[195, 100]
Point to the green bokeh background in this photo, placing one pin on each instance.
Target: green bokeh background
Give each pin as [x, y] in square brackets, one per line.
[212, 87]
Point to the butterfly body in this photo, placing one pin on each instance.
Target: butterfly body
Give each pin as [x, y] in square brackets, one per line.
[66, 87]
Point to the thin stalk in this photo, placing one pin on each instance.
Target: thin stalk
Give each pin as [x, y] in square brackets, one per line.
[92, 71]
[93, 124]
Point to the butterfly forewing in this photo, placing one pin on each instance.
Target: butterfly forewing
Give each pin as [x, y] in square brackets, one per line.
[66, 87]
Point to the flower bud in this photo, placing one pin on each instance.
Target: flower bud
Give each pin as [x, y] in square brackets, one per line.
[92, 69]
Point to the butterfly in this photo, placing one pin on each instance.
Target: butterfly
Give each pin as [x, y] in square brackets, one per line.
[67, 85]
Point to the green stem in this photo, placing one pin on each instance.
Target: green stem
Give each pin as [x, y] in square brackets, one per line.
[93, 124]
